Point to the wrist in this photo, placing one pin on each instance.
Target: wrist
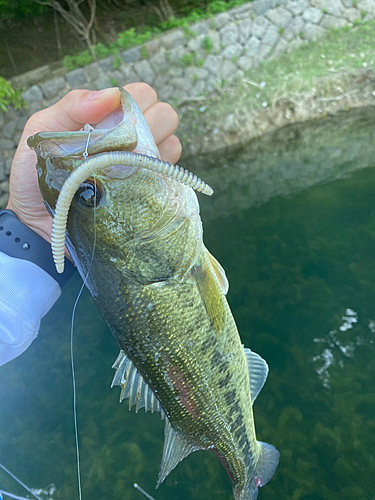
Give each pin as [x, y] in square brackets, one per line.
[20, 241]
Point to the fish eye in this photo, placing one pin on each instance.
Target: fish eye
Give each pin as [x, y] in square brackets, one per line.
[89, 193]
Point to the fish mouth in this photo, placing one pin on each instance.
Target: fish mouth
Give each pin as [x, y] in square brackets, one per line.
[125, 129]
[59, 153]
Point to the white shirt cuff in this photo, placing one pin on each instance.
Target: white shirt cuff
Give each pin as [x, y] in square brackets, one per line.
[27, 293]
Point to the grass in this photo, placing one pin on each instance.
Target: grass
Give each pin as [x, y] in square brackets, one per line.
[187, 60]
[341, 49]
[207, 44]
[132, 37]
[320, 66]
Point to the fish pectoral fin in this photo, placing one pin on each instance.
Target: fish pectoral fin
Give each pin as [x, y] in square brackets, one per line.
[133, 386]
[258, 371]
[175, 449]
[220, 273]
[210, 291]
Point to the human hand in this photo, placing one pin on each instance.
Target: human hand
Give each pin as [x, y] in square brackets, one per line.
[71, 113]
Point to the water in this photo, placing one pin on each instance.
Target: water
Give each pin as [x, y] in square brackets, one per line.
[299, 252]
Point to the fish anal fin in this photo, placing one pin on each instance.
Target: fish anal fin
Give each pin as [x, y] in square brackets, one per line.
[133, 386]
[175, 449]
[219, 271]
[258, 371]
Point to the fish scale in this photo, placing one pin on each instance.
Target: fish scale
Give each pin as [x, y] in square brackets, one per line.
[162, 295]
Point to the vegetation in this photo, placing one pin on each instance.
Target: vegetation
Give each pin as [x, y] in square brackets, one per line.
[207, 44]
[322, 69]
[297, 71]
[144, 19]
[11, 9]
[8, 95]
[133, 36]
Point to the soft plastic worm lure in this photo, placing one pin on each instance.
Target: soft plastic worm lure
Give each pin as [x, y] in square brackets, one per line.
[100, 162]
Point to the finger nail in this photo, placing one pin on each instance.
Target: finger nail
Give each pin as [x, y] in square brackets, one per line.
[99, 93]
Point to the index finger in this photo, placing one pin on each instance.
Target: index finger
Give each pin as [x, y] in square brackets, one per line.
[84, 106]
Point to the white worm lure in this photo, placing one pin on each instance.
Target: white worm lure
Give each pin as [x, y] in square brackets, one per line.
[100, 162]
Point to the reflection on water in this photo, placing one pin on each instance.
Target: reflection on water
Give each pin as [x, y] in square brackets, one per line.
[301, 269]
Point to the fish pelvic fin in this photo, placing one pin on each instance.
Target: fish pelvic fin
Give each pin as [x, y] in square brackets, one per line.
[264, 470]
[133, 386]
[175, 449]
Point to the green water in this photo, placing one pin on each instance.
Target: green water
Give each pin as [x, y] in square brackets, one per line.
[301, 268]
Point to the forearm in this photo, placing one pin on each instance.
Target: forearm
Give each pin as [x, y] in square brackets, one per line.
[29, 284]
[27, 293]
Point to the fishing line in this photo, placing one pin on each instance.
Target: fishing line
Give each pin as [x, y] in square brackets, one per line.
[85, 154]
[10, 495]
[20, 483]
[137, 487]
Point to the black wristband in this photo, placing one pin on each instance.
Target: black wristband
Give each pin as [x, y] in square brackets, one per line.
[19, 241]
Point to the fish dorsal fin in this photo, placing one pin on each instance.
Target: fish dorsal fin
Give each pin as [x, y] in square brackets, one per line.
[133, 386]
[258, 371]
[175, 449]
[220, 273]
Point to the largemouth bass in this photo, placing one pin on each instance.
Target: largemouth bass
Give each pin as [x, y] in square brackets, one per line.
[135, 234]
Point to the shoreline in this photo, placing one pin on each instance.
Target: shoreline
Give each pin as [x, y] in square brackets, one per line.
[236, 121]
[222, 125]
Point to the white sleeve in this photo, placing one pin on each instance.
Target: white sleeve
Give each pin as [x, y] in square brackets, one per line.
[27, 293]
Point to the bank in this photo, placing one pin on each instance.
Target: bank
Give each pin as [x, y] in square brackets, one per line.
[233, 77]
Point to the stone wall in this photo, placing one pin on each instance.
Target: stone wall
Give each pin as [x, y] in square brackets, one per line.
[181, 65]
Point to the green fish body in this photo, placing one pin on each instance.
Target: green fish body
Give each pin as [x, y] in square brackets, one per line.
[136, 236]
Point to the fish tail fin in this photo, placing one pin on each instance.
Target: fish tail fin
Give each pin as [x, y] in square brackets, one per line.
[265, 469]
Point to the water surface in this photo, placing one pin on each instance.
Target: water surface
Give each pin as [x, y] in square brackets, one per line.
[293, 224]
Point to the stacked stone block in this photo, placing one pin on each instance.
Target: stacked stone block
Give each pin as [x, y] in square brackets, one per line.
[182, 65]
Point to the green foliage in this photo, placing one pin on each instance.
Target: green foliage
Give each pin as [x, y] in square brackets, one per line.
[207, 44]
[117, 61]
[188, 33]
[187, 60]
[81, 59]
[130, 38]
[281, 31]
[144, 52]
[199, 62]
[15, 9]
[9, 96]
[125, 40]
[113, 82]
[102, 51]
[218, 6]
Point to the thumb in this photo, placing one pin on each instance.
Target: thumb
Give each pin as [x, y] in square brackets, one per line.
[74, 110]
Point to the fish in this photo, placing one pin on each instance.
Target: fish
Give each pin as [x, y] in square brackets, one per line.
[134, 231]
